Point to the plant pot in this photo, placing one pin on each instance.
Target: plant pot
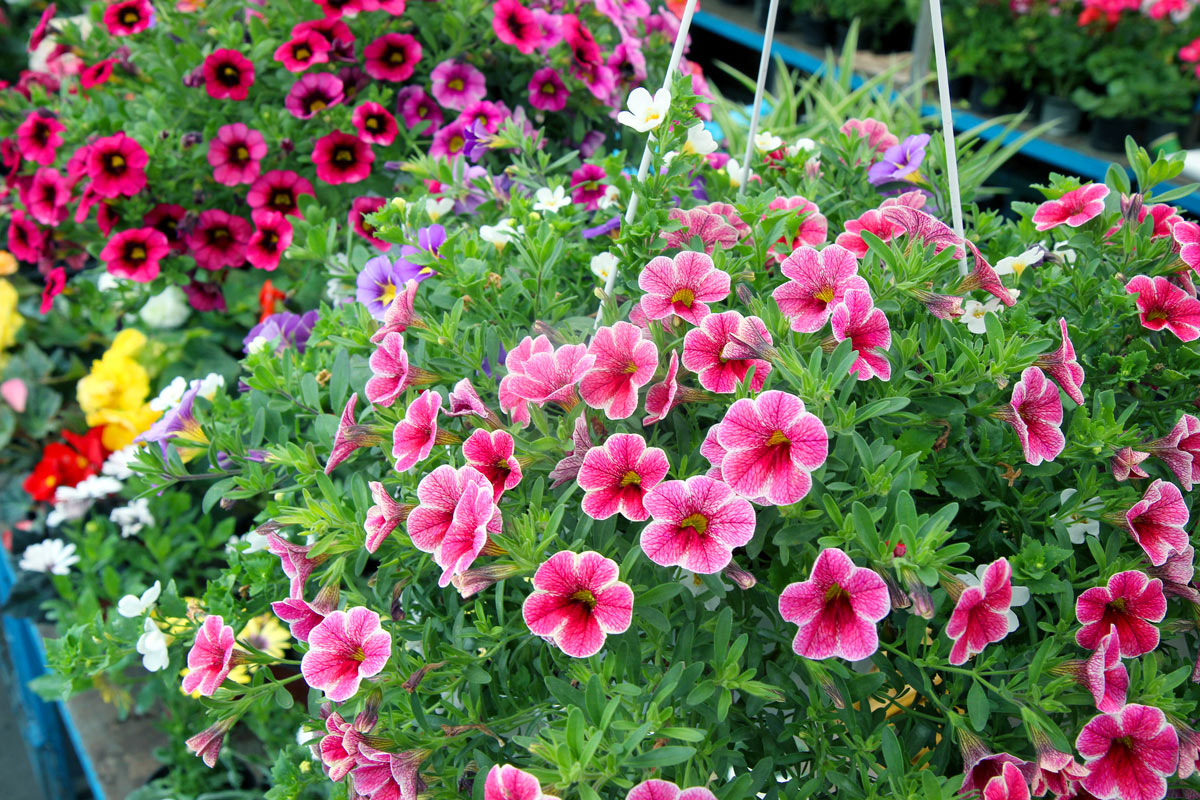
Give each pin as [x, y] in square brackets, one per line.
[1065, 115]
[986, 97]
[1108, 133]
[896, 39]
[960, 87]
[783, 15]
[814, 31]
[1157, 131]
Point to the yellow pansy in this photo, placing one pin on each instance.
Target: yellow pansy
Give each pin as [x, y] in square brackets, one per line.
[10, 320]
[114, 393]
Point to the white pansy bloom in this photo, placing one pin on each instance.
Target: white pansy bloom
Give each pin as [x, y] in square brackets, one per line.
[116, 466]
[1015, 265]
[439, 207]
[53, 556]
[646, 112]
[603, 264]
[974, 313]
[767, 142]
[132, 517]
[549, 200]
[167, 309]
[153, 647]
[1078, 525]
[170, 396]
[699, 141]
[131, 606]
[499, 234]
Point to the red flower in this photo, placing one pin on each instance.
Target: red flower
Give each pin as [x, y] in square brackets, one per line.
[117, 166]
[97, 73]
[303, 50]
[25, 238]
[1162, 304]
[279, 190]
[228, 73]
[1129, 753]
[359, 208]
[392, 57]
[39, 31]
[56, 281]
[272, 235]
[165, 218]
[219, 240]
[47, 196]
[1130, 602]
[60, 465]
[342, 158]
[38, 138]
[127, 17]
[235, 154]
[90, 445]
[375, 124]
[1156, 522]
[135, 254]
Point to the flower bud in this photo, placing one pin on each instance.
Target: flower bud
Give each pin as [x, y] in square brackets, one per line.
[286, 145]
[1131, 207]
[744, 294]
[741, 577]
[368, 718]
[190, 139]
[415, 679]
[397, 610]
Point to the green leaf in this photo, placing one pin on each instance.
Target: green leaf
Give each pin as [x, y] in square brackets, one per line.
[661, 757]
[893, 756]
[978, 706]
[879, 408]
[283, 698]
[721, 635]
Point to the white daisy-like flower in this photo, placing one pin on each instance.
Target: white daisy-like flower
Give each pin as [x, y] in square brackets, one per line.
[1079, 526]
[132, 517]
[52, 555]
[974, 313]
[72, 502]
[499, 234]
[153, 646]
[551, 201]
[646, 112]
[603, 264]
[699, 141]
[1015, 265]
[1020, 594]
[611, 198]
[767, 142]
[438, 207]
[802, 145]
[131, 605]
[116, 466]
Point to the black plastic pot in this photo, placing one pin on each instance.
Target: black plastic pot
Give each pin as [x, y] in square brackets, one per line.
[1065, 115]
[1157, 128]
[1108, 133]
[814, 31]
[896, 39]
[783, 15]
[986, 97]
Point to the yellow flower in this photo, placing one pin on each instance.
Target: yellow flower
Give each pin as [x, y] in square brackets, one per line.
[122, 427]
[10, 320]
[8, 263]
[114, 393]
[263, 633]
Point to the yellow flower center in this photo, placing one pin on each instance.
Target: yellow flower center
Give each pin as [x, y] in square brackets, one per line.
[777, 438]
[302, 53]
[138, 253]
[242, 154]
[584, 596]
[456, 143]
[388, 294]
[631, 478]
[684, 296]
[825, 295]
[316, 105]
[697, 522]
[1156, 315]
[456, 84]
[835, 592]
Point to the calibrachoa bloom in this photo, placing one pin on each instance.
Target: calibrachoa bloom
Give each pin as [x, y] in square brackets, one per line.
[772, 445]
[415, 435]
[646, 112]
[819, 280]
[381, 775]
[1130, 602]
[375, 124]
[235, 154]
[540, 374]
[515, 24]
[547, 91]
[710, 228]
[1035, 412]
[623, 363]
[506, 782]
[983, 614]
[1072, 209]
[655, 789]
[1129, 753]
[47, 196]
[1156, 522]
[272, 235]
[1008, 785]
[878, 137]
[1162, 304]
[857, 319]
[587, 188]
[449, 141]
[1186, 241]
[279, 190]
[314, 92]
[210, 658]
[117, 166]
[617, 475]
[38, 138]
[417, 108]
[837, 609]
[342, 158]
[899, 161]
[345, 648]
[1180, 450]
[1063, 367]
[360, 207]
[456, 511]
[389, 371]
[456, 84]
[135, 254]
[492, 453]
[219, 240]
[228, 74]
[703, 352]
[1103, 674]
[577, 602]
[127, 17]
[382, 517]
[683, 286]
[697, 524]
[813, 229]
[392, 57]
[303, 51]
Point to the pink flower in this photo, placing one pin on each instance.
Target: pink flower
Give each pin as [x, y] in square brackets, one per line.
[925, 228]
[984, 276]
[135, 254]
[465, 401]
[872, 222]
[117, 166]
[1156, 522]
[813, 230]
[345, 648]
[300, 616]
[39, 137]
[456, 511]
[617, 475]
[1103, 674]
[587, 188]
[1129, 753]
[219, 240]
[1186, 241]
[704, 352]
[456, 84]
[1008, 785]
[710, 228]
[1035, 413]
[392, 57]
[683, 286]
[207, 743]
[381, 775]
[857, 319]
[515, 24]
[47, 196]
[837, 609]
[772, 445]
[389, 371]
[350, 436]
[878, 137]
[983, 614]
[697, 523]
[1073, 209]
[577, 602]
[1162, 304]
[1063, 366]
[272, 236]
[342, 158]
[731, 216]
[1125, 462]
[488, 114]
[339, 749]
[228, 74]
[417, 108]
[383, 517]
[568, 468]
[1057, 772]
[235, 154]
[623, 363]
[294, 560]
[540, 375]
[210, 658]
[415, 435]
[491, 452]
[506, 782]
[314, 93]
[1180, 449]
[547, 92]
[303, 51]
[1130, 602]
[529, 347]
[980, 765]
[819, 281]
[398, 315]
[279, 190]
[666, 394]
[375, 124]
[655, 789]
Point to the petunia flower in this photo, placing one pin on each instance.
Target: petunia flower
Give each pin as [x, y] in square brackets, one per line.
[465, 401]
[856, 318]
[492, 453]
[135, 254]
[300, 615]
[38, 138]
[704, 352]
[382, 517]
[1156, 522]
[668, 393]
[210, 658]
[294, 560]
[1162, 304]
[974, 314]
[219, 240]
[1063, 366]
[46, 196]
[1072, 209]
[818, 281]
[279, 190]
[812, 232]
[117, 166]
[392, 57]
[617, 475]
[1180, 450]
[539, 374]
[342, 158]
[389, 371]
[879, 138]
[456, 84]
[350, 436]
[578, 602]
[235, 154]
[420, 113]
[1130, 602]
[456, 510]
[375, 124]
[1129, 753]
[657, 789]
[981, 765]
[683, 286]
[547, 92]
[696, 524]
[983, 276]
[416, 435]
[771, 445]
[645, 111]
[1035, 412]
[836, 609]
[1126, 462]
[712, 230]
[345, 648]
[1102, 673]
[506, 782]
[228, 74]
[338, 749]
[900, 161]
[127, 17]
[623, 362]
[983, 614]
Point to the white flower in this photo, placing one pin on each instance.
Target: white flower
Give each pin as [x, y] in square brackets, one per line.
[116, 466]
[767, 142]
[612, 196]
[257, 542]
[304, 735]
[552, 201]
[167, 309]
[1068, 254]
[499, 234]
[439, 207]
[209, 385]
[257, 345]
[131, 606]
[1015, 265]
[132, 517]
[974, 313]
[1079, 526]
[645, 112]
[108, 282]
[603, 264]
[694, 584]
[1020, 594]
[802, 145]
[153, 646]
[734, 170]
[52, 555]
[170, 396]
[338, 292]
[699, 141]
[72, 502]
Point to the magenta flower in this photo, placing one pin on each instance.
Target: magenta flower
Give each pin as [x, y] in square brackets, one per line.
[47, 196]
[1180, 449]
[983, 613]
[135, 254]
[577, 602]
[568, 468]
[710, 228]
[314, 93]
[666, 394]
[697, 524]
[1102, 673]
[515, 24]
[491, 452]
[547, 92]
[1129, 754]
[704, 352]
[730, 213]
[210, 658]
[456, 511]
[856, 318]
[655, 789]
[1156, 522]
[300, 615]
[506, 782]
[872, 222]
[417, 108]
[540, 375]
[389, 371]
[925, 228]
[345, 648]
[878, 137]
[1063, 366]
[350, 436]
[683, 286]
[1035, 412]
[383, 517]
[415, 435]
[207, 743]
[381, 775]
[529, 347]
[1057, 772]
[1126, 462]
[272, 236]
[772, 445]
[813, 230]
[39, 137]
[623, 363]
[227, 74]
[294, 560]
[1185, 240]
[117, 166]
[219, 240]
[712, 450]
[617, 475]
[837, 609]
[1072, 209]
[342, 158]
[456, 84]
[302, 51]
[279, 190]
[339, 748]
[1130, 602]
[375, 124]
[1162, 304]
[392, 57]
[235, 154]
[1008, 785]
[465, 401]
[819, 281]
[980, 765]
[587, 187]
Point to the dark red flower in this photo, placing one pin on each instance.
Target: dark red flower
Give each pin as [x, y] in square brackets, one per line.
[360, 207]
[97, 73]
[205, 296]
[127, 17]
[374, 124]
[228, 73]
[25, 239]
[117, 166]
[342, 158]
[272, 235]
[90, 445]
[279, 190]
[392, 57]
[219, 240]
[135, 254]
[165, 218]
[56, 281]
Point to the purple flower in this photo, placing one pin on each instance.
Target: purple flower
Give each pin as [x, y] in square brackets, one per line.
[380, 281]
[698, 189]
[487, 366]
[602, 229]
[475, 138]
[899, 161]
[591, 143]
[291, 330]
[431, 238]
[178, 423]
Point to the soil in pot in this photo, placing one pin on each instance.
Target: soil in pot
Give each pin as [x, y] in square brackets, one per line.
[1108, 133]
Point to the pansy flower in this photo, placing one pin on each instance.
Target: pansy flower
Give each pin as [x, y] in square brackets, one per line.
[1072, 209]
[392, 57]
[344, 648]
[312, 93]
[836, 609]
[772, 445]
[617, 475]
[457, 84]
[623, 363]
[228, 74]
[235, 154]
[578, 602]
[456, 510]
[1162, 304]
[1130, 602]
